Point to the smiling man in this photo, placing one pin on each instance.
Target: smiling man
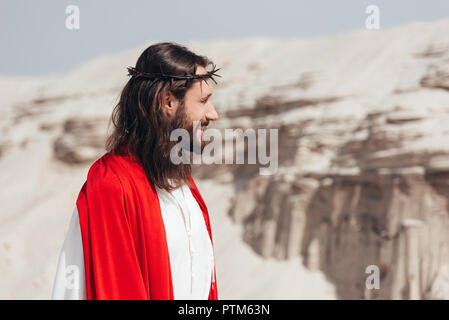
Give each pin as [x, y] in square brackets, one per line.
[140, 229]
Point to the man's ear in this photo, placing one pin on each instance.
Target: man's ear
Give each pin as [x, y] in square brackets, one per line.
[168, 103]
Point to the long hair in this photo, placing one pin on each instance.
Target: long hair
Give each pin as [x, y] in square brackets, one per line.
[137, 119]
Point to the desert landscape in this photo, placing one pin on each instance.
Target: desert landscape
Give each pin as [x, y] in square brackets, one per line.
[363, 174]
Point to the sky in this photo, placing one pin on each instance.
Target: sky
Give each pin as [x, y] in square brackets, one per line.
[35, 40]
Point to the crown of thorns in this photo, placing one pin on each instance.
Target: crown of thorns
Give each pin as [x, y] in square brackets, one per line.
[134, 73]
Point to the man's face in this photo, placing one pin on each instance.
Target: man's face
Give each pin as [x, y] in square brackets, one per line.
[198, 107]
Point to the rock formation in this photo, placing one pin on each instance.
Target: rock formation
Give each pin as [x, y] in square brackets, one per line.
[363, 153]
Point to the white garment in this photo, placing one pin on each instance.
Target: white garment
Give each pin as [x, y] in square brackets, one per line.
[70, 277]
[189, 247]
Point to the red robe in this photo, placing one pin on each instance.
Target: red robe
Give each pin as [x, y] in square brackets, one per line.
[124, 241]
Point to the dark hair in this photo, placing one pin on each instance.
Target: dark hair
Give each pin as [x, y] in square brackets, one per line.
[138, 123]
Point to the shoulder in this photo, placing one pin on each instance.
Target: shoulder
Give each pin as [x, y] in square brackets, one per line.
[104, 173]
[116, 171]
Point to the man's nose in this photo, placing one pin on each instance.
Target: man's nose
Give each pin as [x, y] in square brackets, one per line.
[211, 113]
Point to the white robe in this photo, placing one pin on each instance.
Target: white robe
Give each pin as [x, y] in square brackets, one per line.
[190, 250]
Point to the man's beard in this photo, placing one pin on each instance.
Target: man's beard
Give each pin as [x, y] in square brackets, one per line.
[194, 128]
[195, 143]
[155, 150]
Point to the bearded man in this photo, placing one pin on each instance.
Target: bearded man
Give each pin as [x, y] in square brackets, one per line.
[140, 228]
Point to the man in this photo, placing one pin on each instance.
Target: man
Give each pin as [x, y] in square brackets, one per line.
[140, 229]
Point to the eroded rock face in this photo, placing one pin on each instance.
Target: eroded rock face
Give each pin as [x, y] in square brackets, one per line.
[81, 140]
[357, 190]
[342, 223]
[382, 200]
[363, 149]
[437, 76]
[359, 183]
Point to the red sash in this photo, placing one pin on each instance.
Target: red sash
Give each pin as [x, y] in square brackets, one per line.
[124, 241]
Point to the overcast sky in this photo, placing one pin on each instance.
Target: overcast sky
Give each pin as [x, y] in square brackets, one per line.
[35, 41]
